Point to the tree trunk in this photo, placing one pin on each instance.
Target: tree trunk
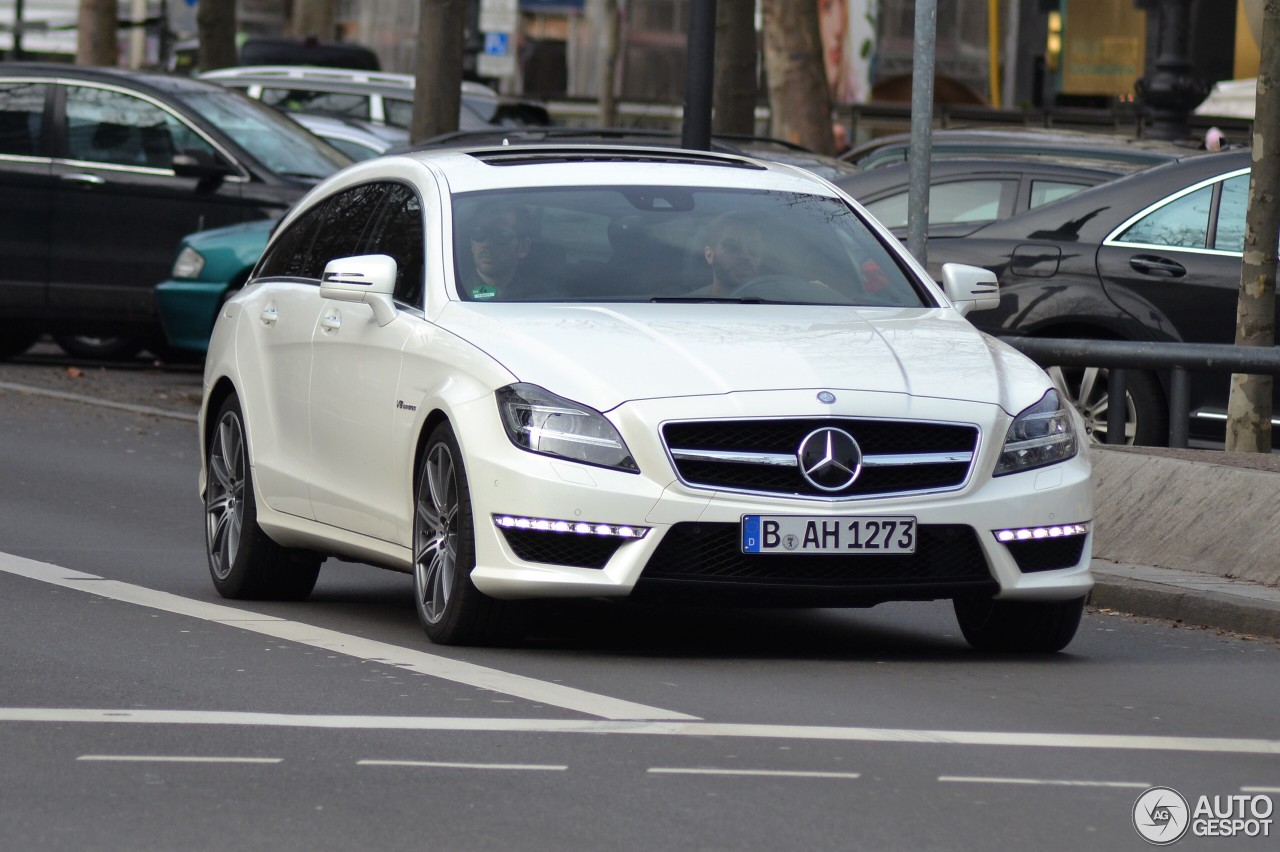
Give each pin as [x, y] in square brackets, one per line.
[437, 94]
[798, 97]
[1249, 411]
[97, 41]
[312, 19]
[735, 77]
[216, 22]
[609, 63]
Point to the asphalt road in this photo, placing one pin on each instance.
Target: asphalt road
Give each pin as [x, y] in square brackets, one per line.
[140, 711]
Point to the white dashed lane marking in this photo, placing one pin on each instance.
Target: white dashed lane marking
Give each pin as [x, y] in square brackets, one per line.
[1046, 782]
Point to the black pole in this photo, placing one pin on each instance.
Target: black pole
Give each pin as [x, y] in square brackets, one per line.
[699, 78]
[1172, 91]
[16, 52]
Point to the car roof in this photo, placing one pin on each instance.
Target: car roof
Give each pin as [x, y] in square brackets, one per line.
[761, 147]
[1025, 142]
[477, 169]
[898, 174]
[154, 81]
[338, 77]
[1093, 212]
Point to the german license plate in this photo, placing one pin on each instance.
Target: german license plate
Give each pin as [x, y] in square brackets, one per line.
[850, 534]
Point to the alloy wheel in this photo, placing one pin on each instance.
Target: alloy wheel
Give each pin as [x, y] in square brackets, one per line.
[224, 504]
[435, 549]
[1086, 388]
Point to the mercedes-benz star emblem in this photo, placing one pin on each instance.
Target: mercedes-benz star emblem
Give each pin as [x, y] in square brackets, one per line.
[830, 459]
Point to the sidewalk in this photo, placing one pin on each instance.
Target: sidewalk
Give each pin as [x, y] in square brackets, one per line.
[1188, 597]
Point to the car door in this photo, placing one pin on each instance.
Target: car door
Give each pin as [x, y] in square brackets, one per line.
[1176, 268]
[278, 314]
[26, 184]
[356, 369]
[119, 211]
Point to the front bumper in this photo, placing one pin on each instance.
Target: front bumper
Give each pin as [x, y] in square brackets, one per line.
[690, 534]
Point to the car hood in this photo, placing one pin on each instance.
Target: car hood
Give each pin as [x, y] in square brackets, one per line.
[605, 355]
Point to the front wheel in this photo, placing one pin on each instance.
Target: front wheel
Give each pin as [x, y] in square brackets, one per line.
[1037, 627]
[452, 610]
[244, 562]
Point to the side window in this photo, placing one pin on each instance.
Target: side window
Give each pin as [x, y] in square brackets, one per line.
[294, 254]
[399, 235]
[347, 222]
[105, 126]
[1183, 223]
[397, 113]
[1232, 206]
[22, 118]
[1044, 191]
[330, 103]
[957, 201]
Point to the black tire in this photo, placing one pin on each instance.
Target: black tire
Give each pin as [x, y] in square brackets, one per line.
[1036, 627]
[15, 341]
[243, 561]
[1147, 417]
[451, 609]
[97, 348]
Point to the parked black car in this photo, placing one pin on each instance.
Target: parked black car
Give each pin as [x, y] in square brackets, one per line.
[103, 171]
[965, 194]
[1154, 256]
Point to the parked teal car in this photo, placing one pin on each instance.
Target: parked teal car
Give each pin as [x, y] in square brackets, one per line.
[210, 265]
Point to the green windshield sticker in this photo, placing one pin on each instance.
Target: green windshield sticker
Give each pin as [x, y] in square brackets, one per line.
[484, 291]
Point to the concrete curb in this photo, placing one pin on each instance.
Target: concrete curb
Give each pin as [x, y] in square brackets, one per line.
[1190, 599]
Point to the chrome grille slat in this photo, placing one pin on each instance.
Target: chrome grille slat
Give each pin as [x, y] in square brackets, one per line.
[760, 456]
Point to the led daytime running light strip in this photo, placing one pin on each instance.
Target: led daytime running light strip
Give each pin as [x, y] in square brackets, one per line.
[513, 522]
[1040, 533]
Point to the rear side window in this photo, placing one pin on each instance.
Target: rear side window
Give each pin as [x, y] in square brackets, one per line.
[338, 227]
[329, 103]
[1044, 191]
[956, 201]
[21, 118]
[1182, 223]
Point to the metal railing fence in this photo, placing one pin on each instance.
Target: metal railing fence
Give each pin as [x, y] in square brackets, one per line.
[1180, 359]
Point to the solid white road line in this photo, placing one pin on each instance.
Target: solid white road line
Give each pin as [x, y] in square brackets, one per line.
[160, 758]
[1100, 742]
[1260, 789]
[481, 677]
[1050, 782]
[103, 403]
[433, 764]
[766, 773]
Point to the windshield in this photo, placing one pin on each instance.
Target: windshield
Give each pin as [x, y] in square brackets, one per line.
[672, 244]
[270, 137]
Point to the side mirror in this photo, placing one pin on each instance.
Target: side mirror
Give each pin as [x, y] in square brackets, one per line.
[199, 164]
[367, 278]
[970, 288]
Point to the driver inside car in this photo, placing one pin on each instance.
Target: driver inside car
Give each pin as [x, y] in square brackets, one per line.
[733, 253]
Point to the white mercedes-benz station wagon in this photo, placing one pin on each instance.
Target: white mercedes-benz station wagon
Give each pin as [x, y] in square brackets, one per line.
[586, 371]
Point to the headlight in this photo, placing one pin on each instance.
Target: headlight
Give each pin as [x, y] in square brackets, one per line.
[541, 422]
[1039, 436]
[190, 263]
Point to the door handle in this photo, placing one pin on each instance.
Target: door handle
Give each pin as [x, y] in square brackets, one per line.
[78, 177]
[1151, 265]
[269, 315]
[331, 322]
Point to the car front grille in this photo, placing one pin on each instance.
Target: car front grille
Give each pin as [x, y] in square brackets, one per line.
[712, 553]
[761, 456]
